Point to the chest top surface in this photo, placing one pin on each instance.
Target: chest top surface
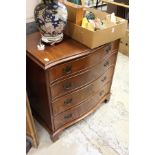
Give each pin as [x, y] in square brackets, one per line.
[64, 51]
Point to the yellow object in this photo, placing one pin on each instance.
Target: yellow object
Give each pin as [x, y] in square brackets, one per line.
[84, 22]
[90, 27]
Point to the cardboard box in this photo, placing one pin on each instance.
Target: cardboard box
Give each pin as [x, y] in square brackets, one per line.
[75, 12]
[124, 44]
[93, 39]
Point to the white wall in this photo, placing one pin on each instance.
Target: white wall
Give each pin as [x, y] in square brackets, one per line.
[30, 5]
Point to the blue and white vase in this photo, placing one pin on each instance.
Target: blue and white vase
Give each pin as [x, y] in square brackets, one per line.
[51, 18]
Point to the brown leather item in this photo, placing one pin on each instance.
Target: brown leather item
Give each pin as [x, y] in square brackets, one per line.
[31, 134]
[71, 84]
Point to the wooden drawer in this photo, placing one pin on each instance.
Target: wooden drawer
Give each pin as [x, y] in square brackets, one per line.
[65, 102]
[65, 86]
[80, 110]
[71, 67]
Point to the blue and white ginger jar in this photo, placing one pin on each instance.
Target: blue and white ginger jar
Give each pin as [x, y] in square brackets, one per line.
[51, 18]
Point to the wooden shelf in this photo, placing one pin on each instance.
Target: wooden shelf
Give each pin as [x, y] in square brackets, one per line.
[115, 3]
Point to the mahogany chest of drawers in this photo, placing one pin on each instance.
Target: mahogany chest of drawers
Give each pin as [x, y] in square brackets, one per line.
[68, 81]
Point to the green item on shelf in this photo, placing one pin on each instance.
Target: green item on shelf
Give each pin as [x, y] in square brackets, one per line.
[75, 1]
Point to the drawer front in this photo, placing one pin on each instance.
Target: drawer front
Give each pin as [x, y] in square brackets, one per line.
[65, 86]
[77, 65]
[76, 112]
[65, 102]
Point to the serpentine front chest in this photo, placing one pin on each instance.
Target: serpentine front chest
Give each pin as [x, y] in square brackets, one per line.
[68, 81]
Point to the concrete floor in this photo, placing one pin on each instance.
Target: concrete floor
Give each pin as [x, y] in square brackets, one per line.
[105, 132]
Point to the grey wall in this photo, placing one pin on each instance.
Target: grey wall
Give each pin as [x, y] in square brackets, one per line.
[31, 27]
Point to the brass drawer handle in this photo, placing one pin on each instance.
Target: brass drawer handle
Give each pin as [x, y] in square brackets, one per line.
[67, 101]
[108, 48]
[106, 63]
[67, 85]
[104, 79]
[67, 69]
[101, 93]
[68, 116]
